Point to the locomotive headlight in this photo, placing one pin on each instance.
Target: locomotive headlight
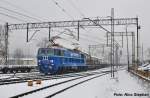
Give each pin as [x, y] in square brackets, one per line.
[52, 64]
[51, 61]
[39, 61]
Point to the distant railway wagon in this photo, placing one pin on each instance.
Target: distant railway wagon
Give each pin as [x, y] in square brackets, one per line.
[93, 60]
[16, 68]
[15, 65]
[59, 60]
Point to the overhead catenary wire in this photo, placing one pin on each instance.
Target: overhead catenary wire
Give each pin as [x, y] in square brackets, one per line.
[56, 3]
[87, 39]
[95, 37]
[13, 17]
[18, 13]
[82, 15]
[21, 9]
[79, 11]
[76, 8]
[30, 16]
[83, 36]
[62, 9]
[25, 15]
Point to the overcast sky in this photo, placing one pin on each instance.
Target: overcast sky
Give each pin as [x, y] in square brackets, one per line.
[47, 10]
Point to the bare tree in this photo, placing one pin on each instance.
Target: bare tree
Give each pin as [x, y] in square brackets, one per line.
[2, 45]
[18, 54]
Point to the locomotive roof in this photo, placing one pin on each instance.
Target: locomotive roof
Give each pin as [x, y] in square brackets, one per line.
[63, 48]
[55, 48]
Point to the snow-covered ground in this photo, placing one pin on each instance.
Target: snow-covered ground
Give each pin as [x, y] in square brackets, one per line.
[49, 91]
[15, 89]
[105, 87]
[7, 91]
[102, 87]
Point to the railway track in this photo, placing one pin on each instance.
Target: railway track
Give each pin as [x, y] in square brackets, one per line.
[76, 81]
[20, 78]
[62, 90]
[6, 77]
[16, 78]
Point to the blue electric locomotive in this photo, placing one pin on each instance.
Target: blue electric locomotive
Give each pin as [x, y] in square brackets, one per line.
[58, 60]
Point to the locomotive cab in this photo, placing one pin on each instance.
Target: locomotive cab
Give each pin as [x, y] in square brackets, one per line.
[44, 60]
[48, 59]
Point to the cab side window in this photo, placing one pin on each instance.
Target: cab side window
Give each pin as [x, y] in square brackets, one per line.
[55, 52]
[62, 53]
[50, 52]
[82, 55]
[58, 52]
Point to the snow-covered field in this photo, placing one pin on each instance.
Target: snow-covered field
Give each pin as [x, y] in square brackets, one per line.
[102, 87]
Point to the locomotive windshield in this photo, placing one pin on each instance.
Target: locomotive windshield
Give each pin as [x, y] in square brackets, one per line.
[45, 51]
[41, 52]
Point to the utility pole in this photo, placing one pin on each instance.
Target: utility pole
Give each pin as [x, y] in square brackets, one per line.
[132, 34]
[49, 33]
[137, 25]
[142, 54]
[112, 42]
[116, 56]
[90, 52]
[78, 30]
[133, 48]
[27, 32]
[6, 44]
[127, 48]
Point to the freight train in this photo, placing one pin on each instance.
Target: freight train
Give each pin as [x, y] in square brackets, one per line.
[56, 60]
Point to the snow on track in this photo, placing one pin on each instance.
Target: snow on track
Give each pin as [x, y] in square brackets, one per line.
[101, 87]
[15, 89]
[49, 91]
